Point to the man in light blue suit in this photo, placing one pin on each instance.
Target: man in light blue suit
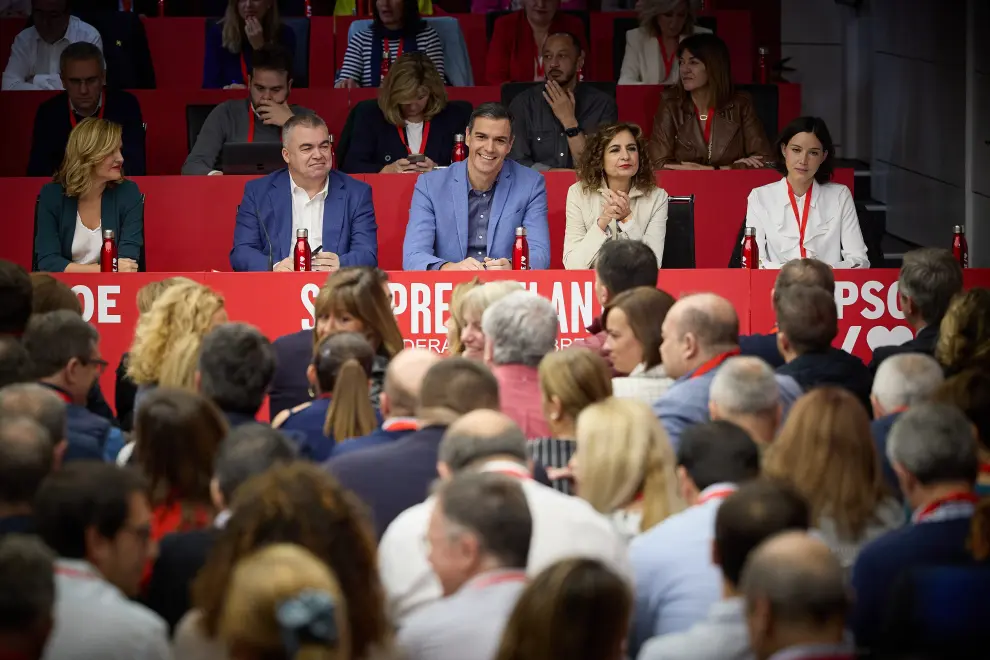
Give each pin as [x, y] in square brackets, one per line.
[335, 209]
[465, 217]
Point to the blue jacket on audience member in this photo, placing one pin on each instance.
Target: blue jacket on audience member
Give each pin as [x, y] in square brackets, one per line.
[263, 233]
[763, 347]
[89, 436]
[437, 232]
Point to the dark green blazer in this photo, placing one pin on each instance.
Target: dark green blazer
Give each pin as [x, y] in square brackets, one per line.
[122, 210]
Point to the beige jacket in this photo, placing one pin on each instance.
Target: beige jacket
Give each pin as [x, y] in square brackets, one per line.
[583, 237]
[642, 64]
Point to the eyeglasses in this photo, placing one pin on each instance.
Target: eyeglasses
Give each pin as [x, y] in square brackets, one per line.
[99, 362]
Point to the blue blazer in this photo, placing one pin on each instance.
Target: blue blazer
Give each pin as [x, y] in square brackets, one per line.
[121, 210]
[221, 67]
[437, 232]
[263, 232]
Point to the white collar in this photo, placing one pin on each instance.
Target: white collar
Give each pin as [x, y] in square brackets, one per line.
[322, 194]
[99, 104]
[64, 37]
[814, 191]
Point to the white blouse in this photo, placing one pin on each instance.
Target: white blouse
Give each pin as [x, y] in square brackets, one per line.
[643, 64]
[86, 243]
[414, 134]
[832, 234]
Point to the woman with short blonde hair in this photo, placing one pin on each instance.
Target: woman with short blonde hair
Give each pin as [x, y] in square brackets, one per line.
[624, 465]
[88, 197]
[473, 307]
[455, 319]
[247, 26]
[964, 334]
[650, 49]
[412, 128]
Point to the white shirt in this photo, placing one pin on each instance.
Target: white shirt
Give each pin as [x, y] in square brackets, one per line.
[34, 63]
[832, 234]
[414, 136]
[563, 526]
[643, 63]
[308, 213]
[86, 243]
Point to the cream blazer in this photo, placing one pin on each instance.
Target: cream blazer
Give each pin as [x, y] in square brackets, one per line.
[642, 63]
[583, 237]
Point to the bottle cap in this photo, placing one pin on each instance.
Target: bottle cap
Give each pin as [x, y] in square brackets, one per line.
[107, 233]
[458, 137]
[750, 231]
[520, 231]
[302, 233]
[763, 50]
[958, 229]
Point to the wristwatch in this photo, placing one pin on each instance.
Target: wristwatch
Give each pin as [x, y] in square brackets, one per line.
[573, 132]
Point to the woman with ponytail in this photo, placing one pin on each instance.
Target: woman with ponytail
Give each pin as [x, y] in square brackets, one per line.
[339, 375]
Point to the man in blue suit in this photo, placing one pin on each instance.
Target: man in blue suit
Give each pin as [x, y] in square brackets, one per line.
[335, 209]
[465, 217]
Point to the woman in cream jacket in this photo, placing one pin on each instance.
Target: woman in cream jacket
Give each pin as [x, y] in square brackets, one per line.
[616, 197]
[651, 49]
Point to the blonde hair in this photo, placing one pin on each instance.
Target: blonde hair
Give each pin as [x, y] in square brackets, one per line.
[90, 142]
[261, 583]
[150, 292]
[166, 343]
[964, 334]
[651, 9]
[825, 451]
[456, 322]
[477, 300]
[624, 452]
[411, 73]
[577, 376]
[232, 26]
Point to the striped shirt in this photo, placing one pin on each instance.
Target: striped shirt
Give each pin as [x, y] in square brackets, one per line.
[554, 453]
[357, 58]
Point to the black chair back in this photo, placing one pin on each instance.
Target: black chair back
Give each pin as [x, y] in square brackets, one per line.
[125, 48]
[196, 115]
[622, 25]
[493, 16]
[678, 246]
[765, 100]
[513, 89]
[300, 58]
[735, 261]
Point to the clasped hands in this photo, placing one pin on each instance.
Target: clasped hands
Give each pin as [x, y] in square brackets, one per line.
[616, 208]
[473, 264]
[322, 262]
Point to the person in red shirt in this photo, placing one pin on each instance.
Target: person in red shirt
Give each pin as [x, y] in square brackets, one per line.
[517, 41]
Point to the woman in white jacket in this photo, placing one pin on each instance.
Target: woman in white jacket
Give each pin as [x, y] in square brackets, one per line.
[651, 49]
[616, 197]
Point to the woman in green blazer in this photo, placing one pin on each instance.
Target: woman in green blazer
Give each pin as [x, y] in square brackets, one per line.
[89, 195]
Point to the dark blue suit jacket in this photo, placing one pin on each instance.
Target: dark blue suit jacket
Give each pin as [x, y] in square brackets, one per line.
[880, 429]
[263, 233]
[376, 438]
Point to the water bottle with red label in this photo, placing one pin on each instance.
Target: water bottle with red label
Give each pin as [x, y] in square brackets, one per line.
[960, 246]
[302, 256]
[750, 250]
[520, 250]
[460, 149]
[108, 253]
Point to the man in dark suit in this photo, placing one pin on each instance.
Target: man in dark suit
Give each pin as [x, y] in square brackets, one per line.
[334, 209]
[248, 450]
[236, 365]
[393, 477]
[928, 280]
[84, 77]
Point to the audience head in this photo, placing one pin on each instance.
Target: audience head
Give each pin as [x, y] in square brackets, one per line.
[84, 73]
[904, 380]
[577, 609]
[27, 595]
[489, 137]
[929, 279]
[303, 505]
[931, 446]
[611, 155]
[454, 387]
[152, 291]
[306, 147]
[16, 293]
[481, 523]
[964, 334]
[633, 320]
[472, 308]
[714, 453]
[356, 300]
[402, 15]
[795, 594]
[805, 272]
[571, 380]
[667, 18]
[270, 80]
[970, 392]
[478, 437]
[99, 513]
[624, 265]
[623, 454]
[521, 328]
[239, 12]
[825, 450]
[177, 434]
[705, 65]
[285, 604]
[807, 320]
[26, 458]
[52, 295]
[236, 366]
[404, 382]
[455, 318]
[805, 151]
[50, 18]
[540, 12]
[697, 328]
[341, 369]
[749, 516]
[247, 451]
[745, 392]
[15, 363]
[92, 157]
[65, 352]
[563, 58]
[413, 90]
[41, 404]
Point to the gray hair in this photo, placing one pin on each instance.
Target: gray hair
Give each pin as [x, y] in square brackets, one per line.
[930, 277]
[905, 380]
[247, 451]
[649, 10]
[39, 403]
[53, 339]
[745, 386]
[27, 582]
[460, 450]
[493, 508]
[305, 119]
[522, 327]
[935, 443]
[236, 367]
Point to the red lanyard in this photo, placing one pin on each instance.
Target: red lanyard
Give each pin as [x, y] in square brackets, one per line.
[539, 69]
[956, 498]
[500, 578]
[250, 135]
[388, 49]
[668, 62]
[103, 105]
[802, 221]
[244, 76]
[400, 424]
[715, 494]
[126, 4]
[422, 145]
[509, 468]
[714, 363]
[706, 128]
